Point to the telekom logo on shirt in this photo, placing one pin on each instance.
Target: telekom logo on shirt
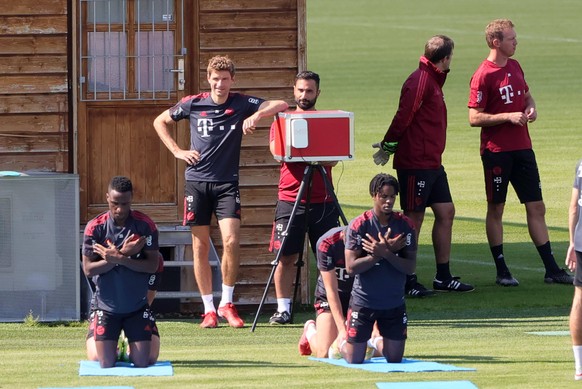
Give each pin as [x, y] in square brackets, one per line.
[506, 93]
[205, 126]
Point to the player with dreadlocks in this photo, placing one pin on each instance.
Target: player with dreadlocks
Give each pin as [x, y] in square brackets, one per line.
[380, 251]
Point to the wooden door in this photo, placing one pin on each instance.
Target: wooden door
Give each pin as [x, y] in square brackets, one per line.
[131, 53]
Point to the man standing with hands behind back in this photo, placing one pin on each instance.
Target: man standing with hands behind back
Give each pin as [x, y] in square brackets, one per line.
[501, 104]
[218, 120]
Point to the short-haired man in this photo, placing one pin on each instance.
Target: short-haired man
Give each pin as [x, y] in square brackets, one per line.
[120, 251]
[218, 120]
[322, 213]
[501, 104]
[419, 129]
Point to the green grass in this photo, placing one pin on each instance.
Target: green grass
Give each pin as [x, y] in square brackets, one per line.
[364, 50]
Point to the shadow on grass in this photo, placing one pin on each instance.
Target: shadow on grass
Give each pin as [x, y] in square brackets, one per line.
[220, 364]
[457, 359]
[357, 209]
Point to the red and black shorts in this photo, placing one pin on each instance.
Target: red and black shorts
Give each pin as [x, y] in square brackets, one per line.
[420, 188]
[321, 218]
[138, 326]
[321, 304]
[392, 323]
[202, 199]
[516, 167]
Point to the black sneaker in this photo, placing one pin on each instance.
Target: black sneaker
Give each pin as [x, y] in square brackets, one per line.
[416, 289]
[451, 285]
[506, 279]
[280, 318]
[560, 277]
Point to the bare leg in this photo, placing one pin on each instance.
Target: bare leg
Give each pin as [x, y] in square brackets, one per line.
[354, 352]
[576, 317]
[326, 334]
[106, 352]
[417, 218]
[140, 353]
[442, 231]
[536, 222]
[230, 232]
[284, 276]
[494, 224]
[201, 248]
[393, 350]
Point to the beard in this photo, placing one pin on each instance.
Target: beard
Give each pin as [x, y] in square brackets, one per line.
[305, 104]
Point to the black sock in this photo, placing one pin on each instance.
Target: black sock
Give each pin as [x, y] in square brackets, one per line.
[547, 256]
[497, 252]
[443, 272]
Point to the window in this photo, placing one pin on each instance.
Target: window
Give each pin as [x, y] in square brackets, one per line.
[128, 49]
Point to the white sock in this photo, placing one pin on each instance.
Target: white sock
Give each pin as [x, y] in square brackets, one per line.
[311, 331]
[207, 299]
[283, 305]
[374, 342]
[227, 292]
[578, 358]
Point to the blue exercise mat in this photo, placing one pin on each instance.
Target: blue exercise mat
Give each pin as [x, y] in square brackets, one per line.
[379, 365]
[427, 385]
[161, 368]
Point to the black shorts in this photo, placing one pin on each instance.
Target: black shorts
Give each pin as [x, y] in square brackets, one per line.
[420, 188]
[138, 326]
[516, 167]
[202, 199]
[392, 323]
[578, 272]
[322, 218]
[321, 304]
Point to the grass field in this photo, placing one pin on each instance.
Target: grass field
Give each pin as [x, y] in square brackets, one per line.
[363, 51]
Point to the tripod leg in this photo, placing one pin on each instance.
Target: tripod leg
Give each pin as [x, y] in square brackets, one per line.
[274, 263]
[299, 265]
[305, 182]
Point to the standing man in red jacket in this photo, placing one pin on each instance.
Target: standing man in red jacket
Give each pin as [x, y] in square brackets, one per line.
[417, 137]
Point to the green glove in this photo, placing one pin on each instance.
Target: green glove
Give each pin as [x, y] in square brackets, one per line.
[389, 147]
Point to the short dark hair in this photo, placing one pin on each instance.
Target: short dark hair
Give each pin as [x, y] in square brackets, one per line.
[438, 47]
[121, 184]
[382, 179]
[308, 75]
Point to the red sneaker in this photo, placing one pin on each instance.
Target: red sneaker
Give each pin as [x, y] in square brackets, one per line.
[229, 313]
[210, 320]
[304, 347]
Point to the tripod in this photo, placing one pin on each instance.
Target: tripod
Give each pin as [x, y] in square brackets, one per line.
[305, 184]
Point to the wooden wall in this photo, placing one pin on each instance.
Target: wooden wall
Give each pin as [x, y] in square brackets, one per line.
[34, 86]
[266, 40]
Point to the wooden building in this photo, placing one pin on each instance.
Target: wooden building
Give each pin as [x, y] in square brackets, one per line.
[81, 82]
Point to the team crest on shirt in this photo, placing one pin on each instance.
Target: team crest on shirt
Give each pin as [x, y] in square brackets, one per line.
[479, 96]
